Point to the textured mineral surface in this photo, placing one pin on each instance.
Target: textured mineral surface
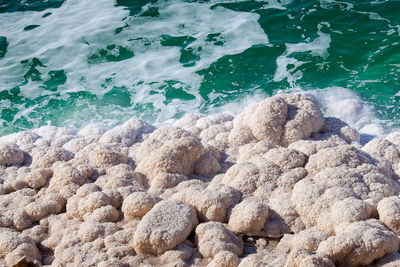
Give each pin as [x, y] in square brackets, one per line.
[277, 185]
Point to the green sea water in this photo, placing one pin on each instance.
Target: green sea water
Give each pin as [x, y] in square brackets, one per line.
[68, 63]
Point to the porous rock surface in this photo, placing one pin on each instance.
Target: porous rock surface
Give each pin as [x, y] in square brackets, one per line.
[277, 185]
[164, 227]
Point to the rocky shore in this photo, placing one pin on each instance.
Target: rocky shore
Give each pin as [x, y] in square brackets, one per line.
[277, 185]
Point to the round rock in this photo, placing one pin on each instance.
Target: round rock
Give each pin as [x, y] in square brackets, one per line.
[164, 227]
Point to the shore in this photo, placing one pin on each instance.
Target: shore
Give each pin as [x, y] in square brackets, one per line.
[277, 185]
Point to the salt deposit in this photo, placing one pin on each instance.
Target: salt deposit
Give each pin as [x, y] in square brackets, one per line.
[278, 185]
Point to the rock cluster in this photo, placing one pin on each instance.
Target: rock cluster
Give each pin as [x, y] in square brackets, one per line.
[277, 185]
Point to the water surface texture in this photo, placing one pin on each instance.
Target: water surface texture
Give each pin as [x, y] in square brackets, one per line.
[67, 63]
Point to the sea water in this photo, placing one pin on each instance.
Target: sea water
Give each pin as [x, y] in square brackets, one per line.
[72, 62]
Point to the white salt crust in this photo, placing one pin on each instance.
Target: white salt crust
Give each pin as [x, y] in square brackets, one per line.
[277, 185]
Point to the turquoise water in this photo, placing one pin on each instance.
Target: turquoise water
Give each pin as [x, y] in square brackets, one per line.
[67, 63]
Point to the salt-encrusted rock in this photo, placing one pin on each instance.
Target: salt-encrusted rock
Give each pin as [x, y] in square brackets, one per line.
[359, 243]
[56, 225]
[315, 197]
[234, 195]
[344, 155]
[138, 204]
[125, 191]
[38, 177]
[179, 256]
[66, 173]
[339, 127]
[12, 212]
[287, 180]
[241, 135]
[249, 152]
[90, 230]
[139, 151]
[10, 240]
[282, 119]
[330, 137]
[45, 157]
[112, 262]
[225, 259]
[104, 155]
[127, 133]
[310, 238]
[21, 220]
[210, 205]
[10, 154]
[14, 178]
[174, 156]
[169, 133]
[106, 213]
[85, 209]
[123, 170]
[77, 144]
[394, 138]
[267, 121]
[248, 217]
[285, 158]
[302, 257]
[38, 233]
[211, 132]
[167, 180]
[350, 210]
[283, 217]
[165, 226]
[90, 254]
[383, 148]
[248, 177]
[310, 147]
[304, 117]
[22, 139]
[24, 254]
[15, 246]
[213, 237]
[82, 207]
[121, 248]
[119, 176]
[213, 119]
[120, 238]
[87, 189]
[207, 164]
[264, 258]
[389, 213]
[39, 209]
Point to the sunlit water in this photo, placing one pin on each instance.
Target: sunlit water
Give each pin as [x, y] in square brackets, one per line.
[67, 63]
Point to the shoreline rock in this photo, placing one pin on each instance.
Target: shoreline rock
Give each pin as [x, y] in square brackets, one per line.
[277, 185]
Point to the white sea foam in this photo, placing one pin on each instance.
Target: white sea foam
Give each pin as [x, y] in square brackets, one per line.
[277, 4]
[77, 29]
[66, 38]
[59, 41]
[328, 4]
[267, 4]
[235, 107]
[288, 66]
[347, 105]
